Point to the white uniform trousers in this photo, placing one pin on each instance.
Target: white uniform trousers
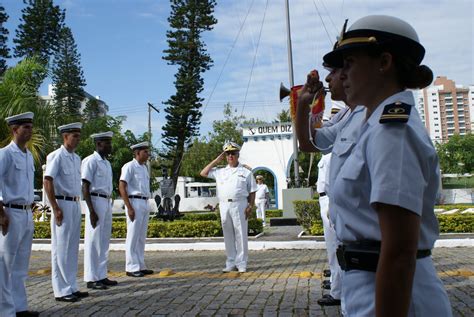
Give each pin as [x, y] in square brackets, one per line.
[235, 228]
[96, 241]
[331, 246]
[428, 298]
[65, 248]
[136, 236]
[15, 250]
[260, 203]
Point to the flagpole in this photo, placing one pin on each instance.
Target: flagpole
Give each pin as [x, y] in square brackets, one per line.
[292, 83]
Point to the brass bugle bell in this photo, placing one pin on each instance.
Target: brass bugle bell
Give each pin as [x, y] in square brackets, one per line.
[284, 92]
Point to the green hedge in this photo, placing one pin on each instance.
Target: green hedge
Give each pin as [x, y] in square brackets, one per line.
[160, 229]
[273, 213]
[308, 215]
[461, 207]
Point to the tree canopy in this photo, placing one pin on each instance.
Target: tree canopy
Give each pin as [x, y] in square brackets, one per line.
[4, 50]
[188, 20]
[457, 155]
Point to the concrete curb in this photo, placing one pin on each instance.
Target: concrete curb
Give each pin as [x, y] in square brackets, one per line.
[253, 245]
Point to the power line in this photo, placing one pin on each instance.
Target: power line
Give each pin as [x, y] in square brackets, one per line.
[227, 58]
[329, 15]
[255, 56]
[322, 21]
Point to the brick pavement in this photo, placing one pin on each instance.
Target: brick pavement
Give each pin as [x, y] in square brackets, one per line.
[279, 283]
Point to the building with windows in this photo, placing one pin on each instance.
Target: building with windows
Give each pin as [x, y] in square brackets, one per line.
[103, 108]
[446, 109]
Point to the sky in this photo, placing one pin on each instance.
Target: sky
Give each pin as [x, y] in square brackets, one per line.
[121, 43]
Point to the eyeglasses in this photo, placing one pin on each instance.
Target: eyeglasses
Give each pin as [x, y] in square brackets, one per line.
[230, 153]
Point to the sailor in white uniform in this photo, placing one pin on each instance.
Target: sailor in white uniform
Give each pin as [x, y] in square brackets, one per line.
[262, 198]
[236, 189]
[62, 183]
[385, 191]
[16, 199]
[134, 188]
[96, 173]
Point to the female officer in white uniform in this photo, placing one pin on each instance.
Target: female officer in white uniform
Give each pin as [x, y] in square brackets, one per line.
[384, 195]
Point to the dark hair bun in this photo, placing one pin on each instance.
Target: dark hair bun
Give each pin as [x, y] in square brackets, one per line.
[420, 77]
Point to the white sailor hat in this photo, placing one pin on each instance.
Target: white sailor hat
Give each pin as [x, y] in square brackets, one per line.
[141, 145]
[259, 177]
[102, 135]
[71, 127]
[230, 146]
[385, 32]
[25, 117]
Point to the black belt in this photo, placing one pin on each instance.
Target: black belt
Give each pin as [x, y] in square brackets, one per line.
[233, 200]
[322, 194]
[138, 197]
[22, 207]
[100, 195]
[68, 198]
[364, 255]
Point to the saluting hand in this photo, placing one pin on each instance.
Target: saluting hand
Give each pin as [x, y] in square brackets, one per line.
[220, 157]
[131, 214]
[4, 221]
[58, 215]
[94, 218]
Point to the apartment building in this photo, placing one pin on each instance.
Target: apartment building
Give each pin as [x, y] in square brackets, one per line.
[446, 109]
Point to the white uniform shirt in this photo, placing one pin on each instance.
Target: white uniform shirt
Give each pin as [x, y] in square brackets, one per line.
[262, 190]
[65, 169]
[137, 179]
[392, 163]
[98, 172]
[233, 182]
[323, 172]
[340, 138]
[16, 175]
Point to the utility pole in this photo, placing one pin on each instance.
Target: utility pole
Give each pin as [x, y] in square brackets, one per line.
[292, 83]
[150, 106]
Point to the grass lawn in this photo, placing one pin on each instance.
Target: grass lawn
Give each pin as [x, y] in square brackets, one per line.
[462, 182]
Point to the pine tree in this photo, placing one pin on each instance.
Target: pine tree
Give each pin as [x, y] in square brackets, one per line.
[4, 50]
[68, 79]
[188, 19]
[39, 29]
[91, 110]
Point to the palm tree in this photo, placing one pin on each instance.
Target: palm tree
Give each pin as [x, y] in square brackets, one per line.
[19, 93]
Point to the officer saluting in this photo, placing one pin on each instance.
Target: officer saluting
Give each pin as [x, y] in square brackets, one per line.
[236, 189]
[96, 175]
[17, 196]
[134, 188]
[62, 183]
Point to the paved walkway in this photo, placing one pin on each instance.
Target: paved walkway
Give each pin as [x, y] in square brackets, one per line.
[279, 283]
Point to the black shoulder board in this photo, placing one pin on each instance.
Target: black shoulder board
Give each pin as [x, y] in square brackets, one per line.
[395, 112]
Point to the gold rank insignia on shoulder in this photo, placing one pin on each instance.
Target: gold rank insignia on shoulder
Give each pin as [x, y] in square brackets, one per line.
[395, 112]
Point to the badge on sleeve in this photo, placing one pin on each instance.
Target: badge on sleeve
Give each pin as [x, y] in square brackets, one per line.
[395, 112]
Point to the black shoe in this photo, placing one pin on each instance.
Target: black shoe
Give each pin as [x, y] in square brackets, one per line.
[79, 294]
[108, 282]
[27, 313]
[329, 301]
[68, 298]
[135, 274]
[327, 273]
[96, 285]
[326, 284]
[147, 272]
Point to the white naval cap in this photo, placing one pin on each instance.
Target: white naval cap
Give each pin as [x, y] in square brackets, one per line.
[230, 146]
[71, 127]
[141, 145]
[102, 135]
[25, 117]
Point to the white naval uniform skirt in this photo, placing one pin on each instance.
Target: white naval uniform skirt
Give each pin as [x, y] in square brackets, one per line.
[96, 240]
[15, 250]
[235, 228]
[136, 236]
[65, 248]
[428, 298]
